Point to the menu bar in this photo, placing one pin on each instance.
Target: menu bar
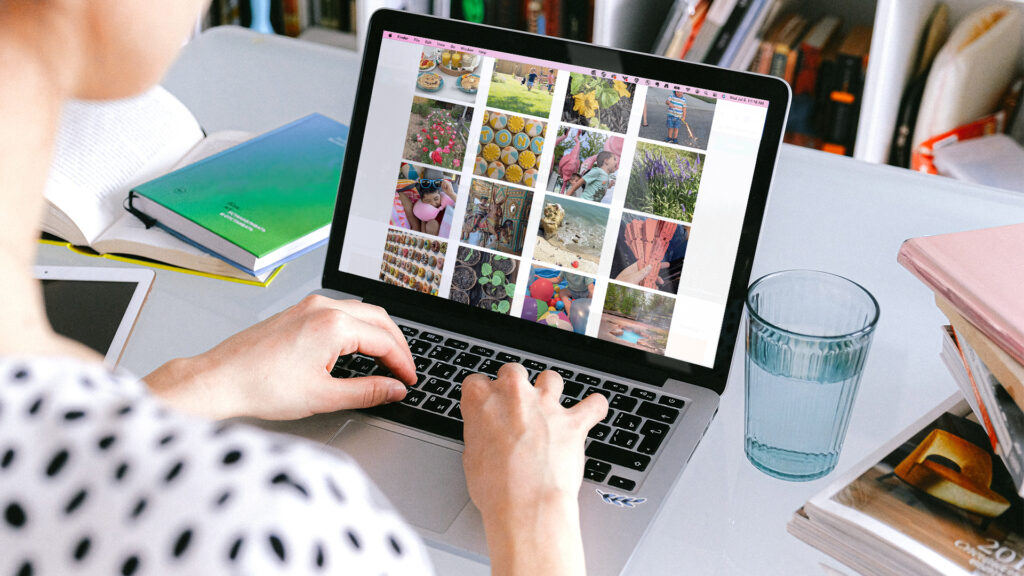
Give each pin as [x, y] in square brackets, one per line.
[432, 43]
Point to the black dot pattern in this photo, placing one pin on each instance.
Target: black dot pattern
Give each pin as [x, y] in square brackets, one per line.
[120, 484]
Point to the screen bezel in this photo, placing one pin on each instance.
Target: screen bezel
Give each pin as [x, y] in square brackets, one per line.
[515, 332]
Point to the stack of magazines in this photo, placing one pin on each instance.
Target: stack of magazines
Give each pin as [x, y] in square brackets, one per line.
[944, 497]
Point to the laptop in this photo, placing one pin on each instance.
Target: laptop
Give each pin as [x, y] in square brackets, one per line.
[95, 305]
[593, 211]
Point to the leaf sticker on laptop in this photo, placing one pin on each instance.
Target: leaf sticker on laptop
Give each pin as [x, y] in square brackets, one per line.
[620, 501]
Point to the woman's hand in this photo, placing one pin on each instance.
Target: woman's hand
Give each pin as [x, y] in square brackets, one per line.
[634, 274]
[524, 465]
[280, 368]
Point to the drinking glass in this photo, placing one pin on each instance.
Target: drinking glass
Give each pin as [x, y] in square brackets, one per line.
[808, 336]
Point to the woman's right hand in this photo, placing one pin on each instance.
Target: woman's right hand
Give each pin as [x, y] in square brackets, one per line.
[524, 466]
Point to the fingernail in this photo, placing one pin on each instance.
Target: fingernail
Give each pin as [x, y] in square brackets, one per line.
[396, 391]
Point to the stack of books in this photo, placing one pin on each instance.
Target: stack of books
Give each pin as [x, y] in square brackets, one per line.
[944, 497]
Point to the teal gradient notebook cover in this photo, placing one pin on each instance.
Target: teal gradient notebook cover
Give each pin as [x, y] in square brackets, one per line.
[256, 204]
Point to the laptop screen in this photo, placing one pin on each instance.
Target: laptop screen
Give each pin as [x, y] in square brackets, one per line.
[575, 198]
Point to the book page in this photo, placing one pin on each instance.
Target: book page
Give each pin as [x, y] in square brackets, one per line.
[105, 148]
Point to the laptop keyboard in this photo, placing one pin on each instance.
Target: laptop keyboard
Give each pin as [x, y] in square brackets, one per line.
[619, 449]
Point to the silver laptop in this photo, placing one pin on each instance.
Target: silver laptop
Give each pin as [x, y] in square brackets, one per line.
[512, 197]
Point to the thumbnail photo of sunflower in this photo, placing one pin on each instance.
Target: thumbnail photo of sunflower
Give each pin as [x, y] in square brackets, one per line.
[602, 103]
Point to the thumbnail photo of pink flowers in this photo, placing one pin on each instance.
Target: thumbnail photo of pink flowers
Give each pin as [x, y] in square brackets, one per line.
[437, 133]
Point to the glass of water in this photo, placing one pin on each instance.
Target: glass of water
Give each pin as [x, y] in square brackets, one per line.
[808, 335]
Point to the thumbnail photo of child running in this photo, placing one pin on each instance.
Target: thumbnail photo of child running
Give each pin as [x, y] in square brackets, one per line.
[677, 118]
[509, 148]
[437, 133]
[559, 299]
[635, 318]
[496, 217]
[649, 252]
[521, 88]
[424, 200]
[484, 280]
[664, 181]
[571, 234]
[598, 102]
[585, 164]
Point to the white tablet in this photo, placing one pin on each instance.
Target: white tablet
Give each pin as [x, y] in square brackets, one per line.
[94, 305]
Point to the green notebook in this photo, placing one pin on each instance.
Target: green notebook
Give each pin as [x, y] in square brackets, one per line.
[258, 204]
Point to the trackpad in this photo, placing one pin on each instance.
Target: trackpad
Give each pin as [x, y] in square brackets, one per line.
[425, 482]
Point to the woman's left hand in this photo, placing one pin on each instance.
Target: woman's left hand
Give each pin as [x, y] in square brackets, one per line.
[280, 369]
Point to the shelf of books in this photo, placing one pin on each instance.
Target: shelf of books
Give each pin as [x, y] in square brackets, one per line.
[945, 496]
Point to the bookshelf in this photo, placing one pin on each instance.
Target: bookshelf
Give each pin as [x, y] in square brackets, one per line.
[897, 27]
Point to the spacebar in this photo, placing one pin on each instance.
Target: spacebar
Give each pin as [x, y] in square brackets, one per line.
[419, 419]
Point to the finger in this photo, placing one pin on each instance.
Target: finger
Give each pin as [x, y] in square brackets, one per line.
[549, 385]
[474, 388]
[374, 315]
[589, 411]
[399, 358]
[372, 340]
[513, 372]
[354, 393]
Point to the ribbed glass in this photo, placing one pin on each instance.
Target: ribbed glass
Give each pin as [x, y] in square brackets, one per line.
[808, 336]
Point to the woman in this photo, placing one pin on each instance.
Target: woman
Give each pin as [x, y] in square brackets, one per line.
[101, 473]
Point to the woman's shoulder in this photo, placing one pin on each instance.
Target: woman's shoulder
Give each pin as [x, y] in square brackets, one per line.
[96, 473]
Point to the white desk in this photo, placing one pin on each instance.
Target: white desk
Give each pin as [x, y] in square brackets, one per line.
[825, 212]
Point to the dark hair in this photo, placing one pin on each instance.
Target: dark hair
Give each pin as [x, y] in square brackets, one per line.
[602, 157]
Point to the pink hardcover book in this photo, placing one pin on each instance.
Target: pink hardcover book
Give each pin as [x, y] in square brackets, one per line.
[981, 273]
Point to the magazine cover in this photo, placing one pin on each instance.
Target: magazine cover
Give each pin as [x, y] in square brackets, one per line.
[939, 497]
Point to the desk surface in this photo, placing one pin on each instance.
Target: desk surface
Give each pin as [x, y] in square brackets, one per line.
[825, 212]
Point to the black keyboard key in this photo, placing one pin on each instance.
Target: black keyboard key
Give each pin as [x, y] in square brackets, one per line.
[564, 373]
[616, 387]
[413, 397]
[594, 475]
[572, 388]
[600, 432]
[627, 422]
[422, 363]
[490, 367]
[618, 456]
[534, 365]
[442, 371]
[456, 411]
[409, 331]
[593, 390]
[533, 376]
[650, 443]
[339, 372]
[418, 347]
[420, 419]
[380, 370]
[435, 386]
[441, 353]
[456, 392]
[658, 412]
[643, 394]
[652, 428]
[467, 360]
[624, 403]
[592, 464]
[588, 380]
[670, 401]
[505, 357]
[457, 344]
[621, 483]
[431, 337]
[481, 351]
[625, 439]
[438, 404]
[361, 365]
[569, 402]
[462, 375]
[420, 378]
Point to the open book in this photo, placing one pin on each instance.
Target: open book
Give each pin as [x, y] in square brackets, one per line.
[104, 149]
